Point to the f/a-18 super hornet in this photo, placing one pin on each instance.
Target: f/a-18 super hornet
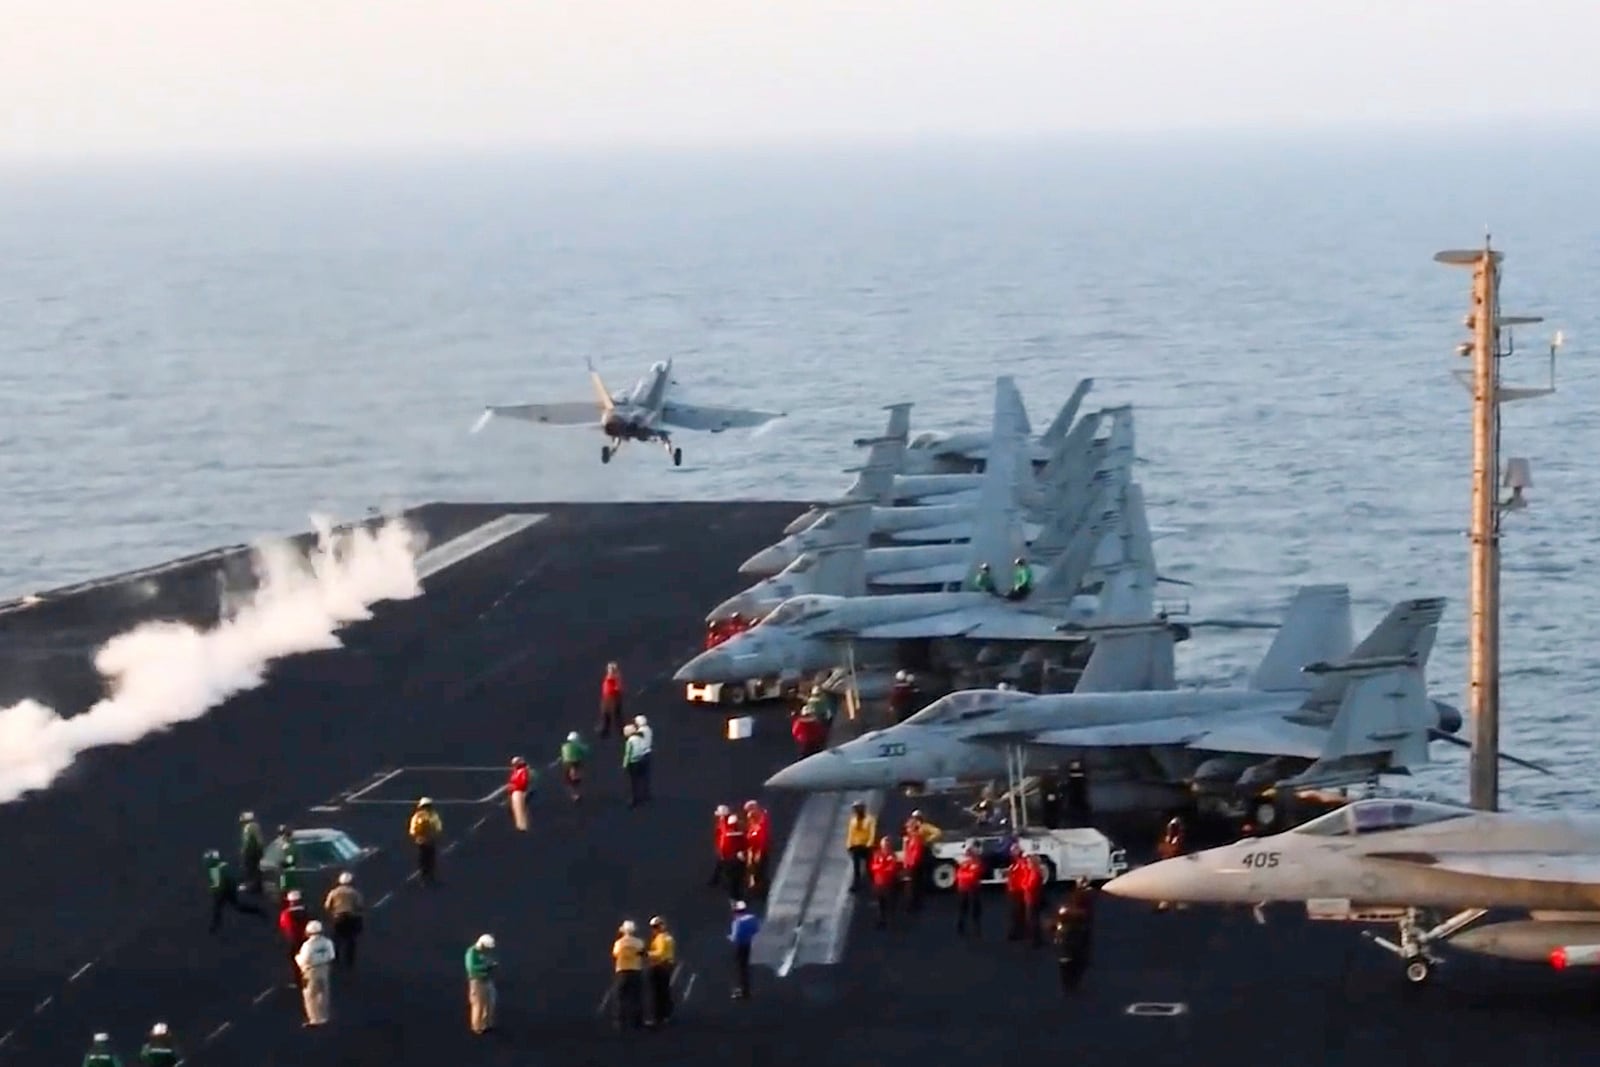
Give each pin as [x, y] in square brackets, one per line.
[1315, 714]
[816, 632]
[966, 451]
[647, 412]
[840, 563]
[1100, 444]
[1393, 860]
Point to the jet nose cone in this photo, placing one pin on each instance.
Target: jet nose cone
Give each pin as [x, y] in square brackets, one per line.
[825, 772]
[1156, 881]
[768, 561]
[709, 666]
[734, 605]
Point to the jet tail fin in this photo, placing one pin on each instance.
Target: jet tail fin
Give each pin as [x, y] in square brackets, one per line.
[1062, 423]
[841, 565]
[1135, 659]
[1402, 639]
[601, 393]
[1316, 627]
[997, 538]
[1384, 717]
[1065, 576]
[885, 457]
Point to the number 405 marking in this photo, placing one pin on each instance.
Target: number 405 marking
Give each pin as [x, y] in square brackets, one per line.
[1260, 859]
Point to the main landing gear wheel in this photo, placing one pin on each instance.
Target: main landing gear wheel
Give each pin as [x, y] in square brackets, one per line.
[677, 457]
[1418, 970]
[605, 453]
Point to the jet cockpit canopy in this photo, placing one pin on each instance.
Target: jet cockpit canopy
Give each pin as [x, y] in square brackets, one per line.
[1376, 814]
[967, 705]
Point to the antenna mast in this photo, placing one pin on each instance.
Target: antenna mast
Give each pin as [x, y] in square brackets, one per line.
[1483, 639]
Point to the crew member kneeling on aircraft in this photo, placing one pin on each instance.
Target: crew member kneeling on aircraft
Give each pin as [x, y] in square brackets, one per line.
[983, 581]
[1021, 580]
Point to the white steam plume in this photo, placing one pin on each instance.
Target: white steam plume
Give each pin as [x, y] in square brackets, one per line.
[162, 673]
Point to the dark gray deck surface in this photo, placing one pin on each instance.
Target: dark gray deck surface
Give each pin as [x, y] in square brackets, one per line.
[502, 657]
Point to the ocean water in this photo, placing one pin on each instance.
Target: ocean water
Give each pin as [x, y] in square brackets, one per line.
[199, 354]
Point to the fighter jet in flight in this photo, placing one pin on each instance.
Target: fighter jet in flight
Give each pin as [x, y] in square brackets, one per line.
[1384, 860]
[645, 412]
[1315, 713]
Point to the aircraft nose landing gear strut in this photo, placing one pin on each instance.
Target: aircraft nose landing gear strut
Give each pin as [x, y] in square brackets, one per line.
[1415, 947]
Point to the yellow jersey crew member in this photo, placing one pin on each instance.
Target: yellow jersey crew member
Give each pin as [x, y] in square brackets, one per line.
[426, 828]
[627, 956]
[662, 956]
[859, 833]
[481, 996]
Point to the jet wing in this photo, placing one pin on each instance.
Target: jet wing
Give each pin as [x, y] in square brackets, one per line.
[942, 574]
[1575, 867]
[979, 625]
[713, 419]
[1261, 737]
[566, 413]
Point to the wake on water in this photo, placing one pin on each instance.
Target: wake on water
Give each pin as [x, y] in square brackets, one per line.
[162, 673]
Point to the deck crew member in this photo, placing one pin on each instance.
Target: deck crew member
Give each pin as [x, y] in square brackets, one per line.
[919, 827]
[810, 733]
[1072, 935]
[718, 822]
[983, 581]
[288, 873]
[901, 694]
[662, 954]
[224, 890]
[969, 883]
[101, 1054]
[517, 786]
[633, 757]
[344, 907]
[859, 833]
[251, 849]
[1021, 579]
[742, 933]
[610, 700]
[730, 855]
[292, 928]
[647, 747]
[573, 754]
[482, 998]
[757, 834]
[1016, 877]
[627, 957]
[315, 961]
[885, 868]
[1170, 847]
[158, 1050]
[1033, 885]
[915, 859]
[425, 829]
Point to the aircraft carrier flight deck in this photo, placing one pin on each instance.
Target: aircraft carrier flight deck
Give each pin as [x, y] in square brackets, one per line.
[106, 908]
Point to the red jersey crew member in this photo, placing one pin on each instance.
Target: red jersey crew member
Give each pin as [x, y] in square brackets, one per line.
[969, 882]
[292, 926]
[885, 868]
[1025, 887]
[518, 787]
[610, 700]
[1170, 847]
[757, 830]
[719, 819]
[730, 855]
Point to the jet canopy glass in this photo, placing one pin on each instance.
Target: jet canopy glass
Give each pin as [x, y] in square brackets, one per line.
[797, 609]
[967, 705]
[1378, 814]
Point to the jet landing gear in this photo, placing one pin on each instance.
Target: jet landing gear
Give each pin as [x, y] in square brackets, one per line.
[610, 450]
[1416, 944]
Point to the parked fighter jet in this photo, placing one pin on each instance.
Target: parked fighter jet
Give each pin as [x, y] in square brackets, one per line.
[1383, 859]
[643, 413]
[1315, 713]
[943, 452]
[810, 633]
[1078, 457]
[849, 568]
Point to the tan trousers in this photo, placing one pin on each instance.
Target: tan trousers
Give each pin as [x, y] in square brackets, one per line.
[481, 1003]
[519, 808]
[315, 992]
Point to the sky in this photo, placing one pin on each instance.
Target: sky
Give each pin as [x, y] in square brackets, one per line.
[228, 77]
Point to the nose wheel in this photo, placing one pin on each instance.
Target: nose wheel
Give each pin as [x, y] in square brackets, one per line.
[1418, 970]
[677, 457]
[606, 452]
[1415, 945]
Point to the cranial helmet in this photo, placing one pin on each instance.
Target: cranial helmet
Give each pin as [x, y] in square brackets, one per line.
[313, 927]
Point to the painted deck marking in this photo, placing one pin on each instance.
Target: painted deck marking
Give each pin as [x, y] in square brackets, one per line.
[471, 543]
